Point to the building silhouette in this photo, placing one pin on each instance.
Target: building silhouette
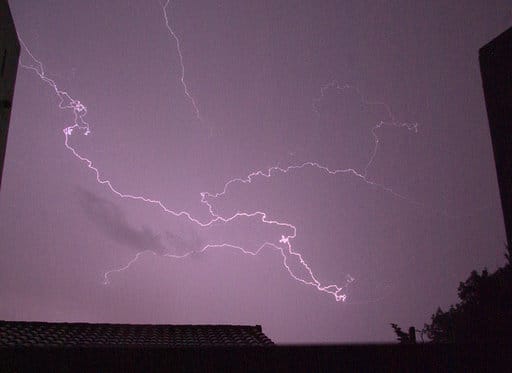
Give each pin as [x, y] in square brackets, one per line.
[496, 70]
[9, 55]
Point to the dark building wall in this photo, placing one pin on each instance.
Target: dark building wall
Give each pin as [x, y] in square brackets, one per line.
[496, 70]
[9, 55]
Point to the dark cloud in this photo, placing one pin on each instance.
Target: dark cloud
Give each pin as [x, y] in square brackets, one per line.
[112, 221]
[184, 242]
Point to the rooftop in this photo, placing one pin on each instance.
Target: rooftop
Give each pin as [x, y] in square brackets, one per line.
[28, 334]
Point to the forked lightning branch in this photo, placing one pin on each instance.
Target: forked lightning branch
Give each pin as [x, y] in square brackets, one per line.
[284, 243]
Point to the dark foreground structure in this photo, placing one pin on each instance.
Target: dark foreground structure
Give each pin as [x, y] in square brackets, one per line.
[44, 334]
[31, 346]
[496, 70]
[77, 347]
[9, 55]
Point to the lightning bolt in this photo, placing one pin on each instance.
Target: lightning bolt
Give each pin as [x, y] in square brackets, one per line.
[182, 65]
[285, 243]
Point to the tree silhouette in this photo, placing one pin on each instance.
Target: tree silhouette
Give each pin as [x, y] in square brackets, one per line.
[484, 313]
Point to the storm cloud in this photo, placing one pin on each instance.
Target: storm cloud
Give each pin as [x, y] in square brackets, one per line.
[112, 221]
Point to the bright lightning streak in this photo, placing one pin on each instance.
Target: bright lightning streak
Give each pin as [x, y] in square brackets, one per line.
[182, 65]
[284, 244]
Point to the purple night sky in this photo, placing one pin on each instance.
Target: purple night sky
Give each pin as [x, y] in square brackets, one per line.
[268, 79]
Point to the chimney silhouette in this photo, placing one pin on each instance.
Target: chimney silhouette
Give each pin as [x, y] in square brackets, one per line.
[412, 334]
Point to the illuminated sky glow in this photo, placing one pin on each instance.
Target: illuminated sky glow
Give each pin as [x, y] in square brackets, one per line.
[347, 198]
